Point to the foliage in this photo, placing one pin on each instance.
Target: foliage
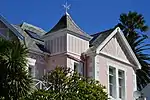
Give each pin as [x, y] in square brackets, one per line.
[15, 82]
[134, 28]
[65, 85]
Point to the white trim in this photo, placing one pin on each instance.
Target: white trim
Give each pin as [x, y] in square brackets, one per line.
[129, 48]
[117, 85]
[95, 68]
[31, 61]
[125, 43]
[134, 81]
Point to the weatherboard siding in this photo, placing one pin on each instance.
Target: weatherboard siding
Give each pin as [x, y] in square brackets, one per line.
[76, 45]
[57, 60]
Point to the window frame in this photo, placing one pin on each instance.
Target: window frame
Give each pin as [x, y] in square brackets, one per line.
[117, 67]
[113, 84]
[78, 69]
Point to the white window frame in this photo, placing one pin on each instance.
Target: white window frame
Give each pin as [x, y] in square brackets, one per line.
[117, 67]
[114, 76]
[31, 63]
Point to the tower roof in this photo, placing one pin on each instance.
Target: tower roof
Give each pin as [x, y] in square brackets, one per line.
[66, 22]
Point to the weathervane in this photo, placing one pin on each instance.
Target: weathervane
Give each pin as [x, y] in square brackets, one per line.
[67, 7]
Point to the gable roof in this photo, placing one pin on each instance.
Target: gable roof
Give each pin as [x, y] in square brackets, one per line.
[11, 28]
[66, 22]
[37, 45]
[98, 44]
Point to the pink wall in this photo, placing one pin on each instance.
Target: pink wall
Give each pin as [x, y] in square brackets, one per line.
[103, 77]
[98, 66]
[57, 60]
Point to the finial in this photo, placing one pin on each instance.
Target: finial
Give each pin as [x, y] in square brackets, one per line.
[67, 7]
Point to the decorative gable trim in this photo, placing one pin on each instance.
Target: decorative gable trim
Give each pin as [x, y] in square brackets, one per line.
[11, 28]
[118, 32]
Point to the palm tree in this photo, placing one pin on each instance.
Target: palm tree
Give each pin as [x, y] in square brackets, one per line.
[134, 28]
[15, 81]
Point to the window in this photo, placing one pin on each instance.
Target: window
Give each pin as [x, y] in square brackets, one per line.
[30, 70]
[78, 67]
[116, 83]
[112, 82]
[121, 83]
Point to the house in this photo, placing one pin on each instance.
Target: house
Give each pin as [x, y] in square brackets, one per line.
[105, 56]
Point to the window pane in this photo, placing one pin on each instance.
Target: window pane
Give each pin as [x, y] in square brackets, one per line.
[111, 90]
[112, 82]
[30, 70]
[120, 92]
[120, 74]
[111, 71]
[120, 82]
[111, 79]
[76, 67]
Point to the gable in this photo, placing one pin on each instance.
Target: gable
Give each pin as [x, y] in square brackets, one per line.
[114, 48]
[2, 25]
[11, 30]
[123, 48]
[5, 32]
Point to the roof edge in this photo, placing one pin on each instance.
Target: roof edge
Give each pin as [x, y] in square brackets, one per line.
[13, 29]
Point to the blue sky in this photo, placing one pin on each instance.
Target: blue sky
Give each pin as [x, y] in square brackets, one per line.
[91, 15]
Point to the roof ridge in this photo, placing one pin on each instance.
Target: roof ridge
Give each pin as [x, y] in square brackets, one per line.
[103, 31]
[31, 25]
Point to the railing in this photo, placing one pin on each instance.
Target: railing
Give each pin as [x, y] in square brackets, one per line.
[40, 84]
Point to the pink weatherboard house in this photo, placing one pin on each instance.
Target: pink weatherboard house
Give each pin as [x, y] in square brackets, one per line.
[105, 56]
